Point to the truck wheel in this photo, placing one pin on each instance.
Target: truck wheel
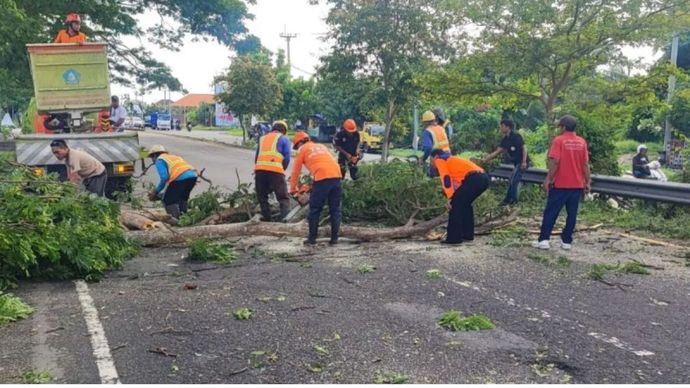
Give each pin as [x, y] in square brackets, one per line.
[116, 185]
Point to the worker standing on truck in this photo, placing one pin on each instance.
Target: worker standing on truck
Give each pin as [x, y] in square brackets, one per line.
[72, 34]
[346, 142]
[118, 114]
[272, 159]
[177, 179]
[327, 184]
[81, 167]
[462, 181]
[435, 138]
[514, 146]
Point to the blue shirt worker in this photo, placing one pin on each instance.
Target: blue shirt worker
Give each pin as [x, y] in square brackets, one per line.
[435, 138]
[177, 179]
[272, 159]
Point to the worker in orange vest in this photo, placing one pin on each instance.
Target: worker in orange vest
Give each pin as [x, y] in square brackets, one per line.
[177, 179]
[435, 138]
[462, 181]
[272, 159]
[72, 34]
[327, 186]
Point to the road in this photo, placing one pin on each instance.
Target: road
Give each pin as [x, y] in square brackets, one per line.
[318, 319]
[222, 162]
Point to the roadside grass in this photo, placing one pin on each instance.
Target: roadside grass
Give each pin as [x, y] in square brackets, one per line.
[434, 274]
[454, 321]
[13, 309]
[560, 261]
[599, 271]
[203, 250]
[243, 314]
[366, 268]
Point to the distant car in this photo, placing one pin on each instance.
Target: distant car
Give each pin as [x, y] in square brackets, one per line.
[164, 122]
[134, 122]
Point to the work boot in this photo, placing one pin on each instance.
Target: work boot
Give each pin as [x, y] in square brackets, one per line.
[265, 212]
[173, 210]
[184, 207]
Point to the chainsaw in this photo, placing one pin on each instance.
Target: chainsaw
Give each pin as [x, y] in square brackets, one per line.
[302, 198]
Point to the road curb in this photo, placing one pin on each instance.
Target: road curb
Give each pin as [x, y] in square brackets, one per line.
[212, 141]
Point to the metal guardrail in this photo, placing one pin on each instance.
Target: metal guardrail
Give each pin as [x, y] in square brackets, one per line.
[622, 187]
[6, 145]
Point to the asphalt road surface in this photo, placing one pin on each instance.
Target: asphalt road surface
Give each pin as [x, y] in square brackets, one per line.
[360, 313]
[222, 163]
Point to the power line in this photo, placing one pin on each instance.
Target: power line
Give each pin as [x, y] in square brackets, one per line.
[288, 37]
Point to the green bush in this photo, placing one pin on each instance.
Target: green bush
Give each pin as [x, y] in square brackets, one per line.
[49, 230]
[204, 250]
[537, 140]
[13, 309]
[601, 142]
[475, 130]
[30, 117]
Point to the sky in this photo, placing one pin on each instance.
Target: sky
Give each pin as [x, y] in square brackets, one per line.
[197, 63]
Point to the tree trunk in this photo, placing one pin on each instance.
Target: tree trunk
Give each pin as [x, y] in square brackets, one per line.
[254, 228]
[244, 131]
[387, 133]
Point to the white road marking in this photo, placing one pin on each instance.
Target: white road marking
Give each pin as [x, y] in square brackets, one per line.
[101, 350]
[546, 315]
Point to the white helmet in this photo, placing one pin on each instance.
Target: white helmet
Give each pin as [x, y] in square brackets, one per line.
[157, 149]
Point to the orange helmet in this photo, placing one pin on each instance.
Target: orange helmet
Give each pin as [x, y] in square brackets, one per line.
[73, 17]
[299, 137]
[350, 125]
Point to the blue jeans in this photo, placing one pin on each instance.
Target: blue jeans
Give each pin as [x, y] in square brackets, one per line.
[327, 190]
[570, 198]
[513, 193]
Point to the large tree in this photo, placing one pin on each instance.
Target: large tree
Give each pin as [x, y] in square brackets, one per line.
[251, 88]
[535, 49]
[37, 21]
[385, 42]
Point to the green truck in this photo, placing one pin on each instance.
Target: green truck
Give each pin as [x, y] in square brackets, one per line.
[70, 82]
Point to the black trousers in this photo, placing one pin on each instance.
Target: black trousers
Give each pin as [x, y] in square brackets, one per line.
[345, 166]
[178, 193]
[267, 182]
[461, 218]
[96, 184]
[325, 191]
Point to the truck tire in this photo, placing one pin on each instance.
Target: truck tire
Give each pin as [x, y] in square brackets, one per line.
[118, 184]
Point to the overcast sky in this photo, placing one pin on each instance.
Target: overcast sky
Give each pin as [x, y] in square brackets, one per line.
[196, 64]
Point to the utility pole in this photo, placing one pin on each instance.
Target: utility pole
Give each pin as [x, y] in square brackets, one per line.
[288, 37]
[671, 88]
[415, 136]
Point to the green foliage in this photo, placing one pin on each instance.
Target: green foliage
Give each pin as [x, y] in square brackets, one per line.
[366, 268]
[388, 377]
[476, 130]
[214, 200]
[537, 140]
[30, 117]
[680, 112]
[601, 143]
[634, 267]
[598, 271]
[49, 230]
[243, 314]
[368, 198]
[204, 250]
[33, 377]
[13, 309]
[434, 274]
[454, 321]
[510, 236]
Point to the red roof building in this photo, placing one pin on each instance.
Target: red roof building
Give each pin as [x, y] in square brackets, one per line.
[194, 100]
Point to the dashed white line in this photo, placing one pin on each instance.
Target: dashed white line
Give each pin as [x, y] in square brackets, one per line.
[99, 343]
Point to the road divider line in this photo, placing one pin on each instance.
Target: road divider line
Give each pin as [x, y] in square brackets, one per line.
[99, 343]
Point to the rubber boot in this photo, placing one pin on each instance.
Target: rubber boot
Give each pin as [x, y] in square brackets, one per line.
[173, 210]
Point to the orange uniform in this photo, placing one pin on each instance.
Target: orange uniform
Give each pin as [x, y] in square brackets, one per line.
[453, 172]
[64, 37]
[318, 160]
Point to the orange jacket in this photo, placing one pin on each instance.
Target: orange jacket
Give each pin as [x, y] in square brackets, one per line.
[453, 171]
[64, 37]
[318, 160]
[440, 138]
[269, 158]
[176, 166]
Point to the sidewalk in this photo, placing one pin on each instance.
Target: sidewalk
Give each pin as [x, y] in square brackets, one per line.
[215, 136]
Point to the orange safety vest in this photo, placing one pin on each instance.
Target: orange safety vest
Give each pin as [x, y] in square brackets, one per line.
[176, 166]
[453, 171]
[438, 134]
[270, 159]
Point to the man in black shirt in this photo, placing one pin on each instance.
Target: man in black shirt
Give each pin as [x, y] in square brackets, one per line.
[346, 142]
[514, 147]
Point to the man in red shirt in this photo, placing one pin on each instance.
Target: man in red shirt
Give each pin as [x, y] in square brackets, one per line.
[568, 178]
